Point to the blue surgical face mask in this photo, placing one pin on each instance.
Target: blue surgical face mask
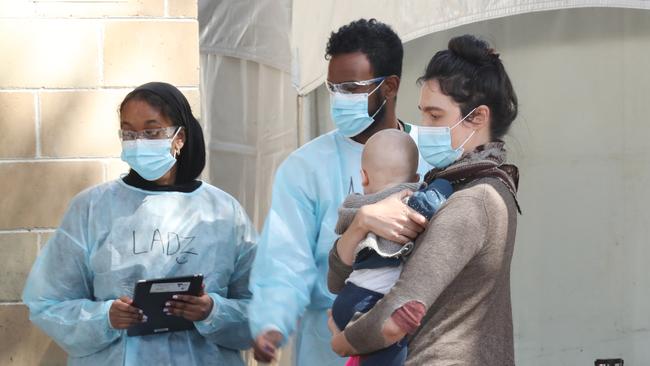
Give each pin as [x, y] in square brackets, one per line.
[149, 158]
[350, 112]
[434, 144]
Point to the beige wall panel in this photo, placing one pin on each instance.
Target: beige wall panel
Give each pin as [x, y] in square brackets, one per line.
[84, 123]
[136, 52]
[49, 53]
[17, 124]
[182, 8]
[99, 8]
[115, 168]
[81, 9]
[40, 192]
[194, 98]
[22, 343]
[18, 254]
[43, 238]
[17, 8]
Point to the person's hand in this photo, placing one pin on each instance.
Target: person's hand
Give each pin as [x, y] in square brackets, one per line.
[123, 315]
[339, 343]
[392, 332]
[334, 329]
[266, 346]
[193, 308]
[391, 219]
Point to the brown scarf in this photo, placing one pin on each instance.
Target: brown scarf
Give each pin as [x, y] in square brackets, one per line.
[486, 161]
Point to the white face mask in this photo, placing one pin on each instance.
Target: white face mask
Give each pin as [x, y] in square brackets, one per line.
[435, 144]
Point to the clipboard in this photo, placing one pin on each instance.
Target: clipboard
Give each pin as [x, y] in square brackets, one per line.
[151, 295]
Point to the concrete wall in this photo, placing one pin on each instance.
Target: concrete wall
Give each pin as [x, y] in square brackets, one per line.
[580, 277]
[65, 66]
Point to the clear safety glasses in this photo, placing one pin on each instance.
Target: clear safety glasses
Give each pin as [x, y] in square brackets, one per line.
[352, 87]
[150, 134]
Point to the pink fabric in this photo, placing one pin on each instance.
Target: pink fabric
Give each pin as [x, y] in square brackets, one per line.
[408, 316]
[353, 361]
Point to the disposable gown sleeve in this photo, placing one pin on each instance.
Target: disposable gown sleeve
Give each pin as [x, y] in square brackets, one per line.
[227, 325]
[284, 270]
[59, 289]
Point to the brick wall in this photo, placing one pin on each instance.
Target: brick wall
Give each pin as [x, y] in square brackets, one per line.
[64, 68]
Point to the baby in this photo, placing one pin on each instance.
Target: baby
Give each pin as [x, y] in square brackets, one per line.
[389, 165]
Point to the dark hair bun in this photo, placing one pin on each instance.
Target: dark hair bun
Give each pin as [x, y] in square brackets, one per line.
[472, 49]
[471, 73]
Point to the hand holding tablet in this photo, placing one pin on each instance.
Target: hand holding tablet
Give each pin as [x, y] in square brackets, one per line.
[193, 308]
[152, 297]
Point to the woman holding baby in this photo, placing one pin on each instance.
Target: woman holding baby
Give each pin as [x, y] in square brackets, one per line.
[452, 298]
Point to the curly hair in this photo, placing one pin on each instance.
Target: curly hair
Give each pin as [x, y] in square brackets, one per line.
[375, 39]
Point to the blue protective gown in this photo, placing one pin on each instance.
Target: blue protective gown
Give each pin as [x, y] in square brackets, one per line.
[289, 277]
[114, 235]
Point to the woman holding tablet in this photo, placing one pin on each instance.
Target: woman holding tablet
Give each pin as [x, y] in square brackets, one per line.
[158, 221]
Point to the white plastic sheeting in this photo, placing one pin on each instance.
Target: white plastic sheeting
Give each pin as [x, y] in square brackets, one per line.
[291, 35]
[254, 30]
[250, 114]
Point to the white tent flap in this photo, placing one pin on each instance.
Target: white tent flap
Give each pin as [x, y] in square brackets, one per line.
[291, 35]
[255, 30]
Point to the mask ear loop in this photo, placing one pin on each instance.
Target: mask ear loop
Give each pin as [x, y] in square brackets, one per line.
[174, 151]
[466, 140]
[382, 104]
[464, 118]
[473, 131]
[378, 109]
[375, 89]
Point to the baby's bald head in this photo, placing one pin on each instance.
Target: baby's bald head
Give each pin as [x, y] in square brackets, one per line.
[390, 157]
